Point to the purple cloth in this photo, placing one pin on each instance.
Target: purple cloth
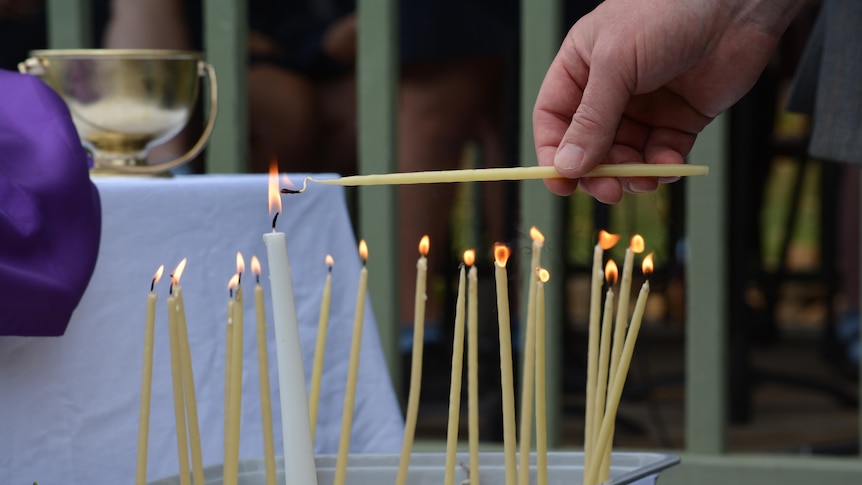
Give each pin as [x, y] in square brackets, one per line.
[50, 215]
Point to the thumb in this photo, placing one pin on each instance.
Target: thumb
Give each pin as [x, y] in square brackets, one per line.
[594, 125]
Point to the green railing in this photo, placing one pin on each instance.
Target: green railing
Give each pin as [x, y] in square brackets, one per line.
[705, 457]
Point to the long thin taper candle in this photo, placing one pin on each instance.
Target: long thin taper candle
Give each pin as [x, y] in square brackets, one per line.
[231, 465]
[189, 386]
[295, 428]
[320, 347]
[605, 436]
[352, 371]
[416, 362]
[611, 273]
[501, 256]
[473, 364]
[529, 361]
[605, 241]
[231, 285]
[455, 381]
[147, 381]
[263, 372]
[179, 402]
[541, 387]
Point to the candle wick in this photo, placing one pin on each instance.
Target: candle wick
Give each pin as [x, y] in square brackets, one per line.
[273, 221]
[153, 285]
[230, 292]
[239, 278]
[257, 278]
[329, 269]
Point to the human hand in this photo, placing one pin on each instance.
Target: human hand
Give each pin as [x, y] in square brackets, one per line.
[635, 81]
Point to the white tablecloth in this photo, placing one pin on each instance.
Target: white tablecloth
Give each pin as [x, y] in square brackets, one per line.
[69, 405]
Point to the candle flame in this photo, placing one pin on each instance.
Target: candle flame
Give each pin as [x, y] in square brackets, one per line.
[543, 274]
[469, 257]
[329, 260]
[647, 264]
[158, 274]
[607, 240]
[637, 244]
[501, 254]
[274, 191]
[240, 263]
[424, 245]
[611, 272]
[255, 265]
[178, 272]
[363, 250]
[233, 282]
[536, 235]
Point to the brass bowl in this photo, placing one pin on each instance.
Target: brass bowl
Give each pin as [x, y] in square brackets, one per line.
[124, 102]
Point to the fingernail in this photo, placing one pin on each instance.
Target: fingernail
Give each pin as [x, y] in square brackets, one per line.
[570, 157]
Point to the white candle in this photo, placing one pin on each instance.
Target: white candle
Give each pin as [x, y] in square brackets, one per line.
[263, 372]
[189, 385]
[296, 429]
[416, 362]
[529, 361]
[147, 382]
[473, 363]
[455, 381]
[231, 462]
[320, 346]
[501, 256]
[177, 381]
[228, 351]
[541, 388]
[352, 371]
[611, 273]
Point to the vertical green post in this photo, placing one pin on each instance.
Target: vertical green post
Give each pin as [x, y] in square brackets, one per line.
[70, 24]
[225, 43]
[706, 319]
[377, 97]
[540, 40]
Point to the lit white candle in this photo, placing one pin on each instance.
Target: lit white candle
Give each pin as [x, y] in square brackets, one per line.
[541, 387]
[529, 361]
[455, 380]
[320, 346]
[501, 256]
[416, 362]
[147, 381]
[296, 429]
[177, 381]
[231, 462]
[473, 363]
[228, 351]
[352, 370]
[263, 372]
[611, 273]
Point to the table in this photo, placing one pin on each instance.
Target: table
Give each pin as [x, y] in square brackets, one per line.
[69, 405]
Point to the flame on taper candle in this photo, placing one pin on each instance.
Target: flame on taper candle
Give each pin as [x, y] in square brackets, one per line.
[157, 277]
[607, 240]
[543, 274]
[647, 265]
[469, 257]
[240, 265]
[424, 245]
[178, 273]
[637, 244]
[255, 268]
[612, 272]
[232, 283]
[501, 254]
[536, 235]
[363, 251]
[274, 194]
[330, 262]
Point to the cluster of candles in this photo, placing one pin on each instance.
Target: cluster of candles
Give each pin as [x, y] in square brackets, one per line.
[608, 363]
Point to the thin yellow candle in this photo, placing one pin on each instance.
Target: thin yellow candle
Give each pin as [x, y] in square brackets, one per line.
[231, 285]
[606, 241]
[605, 436]
[147, 381]
[263, 371]
[513, 173]
[501, 256]
[541, 387]
[529, 361]
[177, 381]
[473, 364]
[188, 380]
[352, 370]
[416, 362]
[231, 460]
[611, 273]
[320, 347]
[455, 380]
